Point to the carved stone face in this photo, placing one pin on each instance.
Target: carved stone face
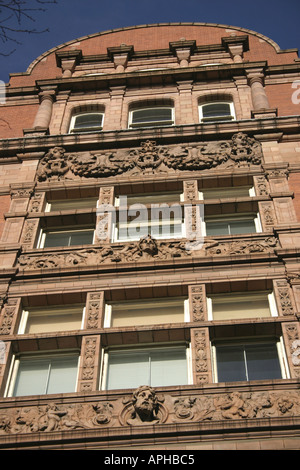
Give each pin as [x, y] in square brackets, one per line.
[145, 402]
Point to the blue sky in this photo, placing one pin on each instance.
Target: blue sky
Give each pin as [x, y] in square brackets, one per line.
[71, 19]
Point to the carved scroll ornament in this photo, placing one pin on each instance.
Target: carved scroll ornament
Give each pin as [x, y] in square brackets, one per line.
[150, 158]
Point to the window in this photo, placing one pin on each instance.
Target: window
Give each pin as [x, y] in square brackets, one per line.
[71, 204]
[217, 111]
[228, 192]
[151, 117]
[156, 366]
[234, 224]
[241, 305]
[249, 360]
[146, 312]
[53, 238]
[157, 214]
[40, 375]
[86, 122]
[49, 319]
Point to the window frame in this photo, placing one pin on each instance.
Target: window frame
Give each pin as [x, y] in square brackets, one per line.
[231, 117]
[269, 295]
[103, 380]
[237, 216]
[157, 123]
[15, 365]
[72, 126]
[251, 192]
[282, 357]
[78, 204]
[55, 309]
[43, 234]
[109, 309]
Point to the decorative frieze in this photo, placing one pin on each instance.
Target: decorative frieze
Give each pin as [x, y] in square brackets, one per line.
[147, 406]
[147, 249]
[150, 158]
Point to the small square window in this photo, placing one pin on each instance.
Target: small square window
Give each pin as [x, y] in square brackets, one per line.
[234, 224]
[71, 204]
[222, 307]
[55, 238]
[49, 319]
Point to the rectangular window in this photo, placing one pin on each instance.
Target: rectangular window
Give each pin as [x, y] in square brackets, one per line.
[55, 238]
[218, 111]
[146, 312]
[241, 305]
[249, 361]
[155, 367]
[44, 375]
[230, 192]
[86, 122]
[71, 204]
[232, 225]
[151, 117]
[50, 319]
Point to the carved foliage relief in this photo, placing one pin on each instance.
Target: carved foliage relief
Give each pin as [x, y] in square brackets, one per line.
[150, 158]
[147, 407]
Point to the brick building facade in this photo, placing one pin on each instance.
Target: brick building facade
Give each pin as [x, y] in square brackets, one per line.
[173, 324]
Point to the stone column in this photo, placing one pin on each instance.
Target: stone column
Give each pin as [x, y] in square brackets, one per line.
[183, 50]
[88, 379]
[185, 90]
[197, 303]
[259, 97]
[43, 116]
[94, 312]
[105, 213]
[120, 56]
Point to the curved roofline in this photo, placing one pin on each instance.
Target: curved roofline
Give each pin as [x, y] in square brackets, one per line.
[128, 28]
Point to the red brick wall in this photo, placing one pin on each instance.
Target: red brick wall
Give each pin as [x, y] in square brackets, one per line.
[13, 119]
[280, 97]
[155, 37]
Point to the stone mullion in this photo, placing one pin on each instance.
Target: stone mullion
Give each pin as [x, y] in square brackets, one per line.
[89, 368]
[37, 202]
[30, 232]
[94, 312]
[105, 213]
[197, 303]
[261, 185]
[284, 297]
[190, 191]
[267, 215]
[201, 357]
[10, 316]
[291, 338]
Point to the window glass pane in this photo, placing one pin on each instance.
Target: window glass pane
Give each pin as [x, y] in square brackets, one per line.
[127, 370]
[249, 306]
[168, 367]
[80, 237]
[32, 377]
[155, 198]
[147, 312]
[63, 375]
[217, 228]
[216, 110]
[52, 319]
[147, 367]
[88, 121]
[230, 363]
[70, 204]
[263, 362]
[151, 115]
[219, 193]
[242, 226]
